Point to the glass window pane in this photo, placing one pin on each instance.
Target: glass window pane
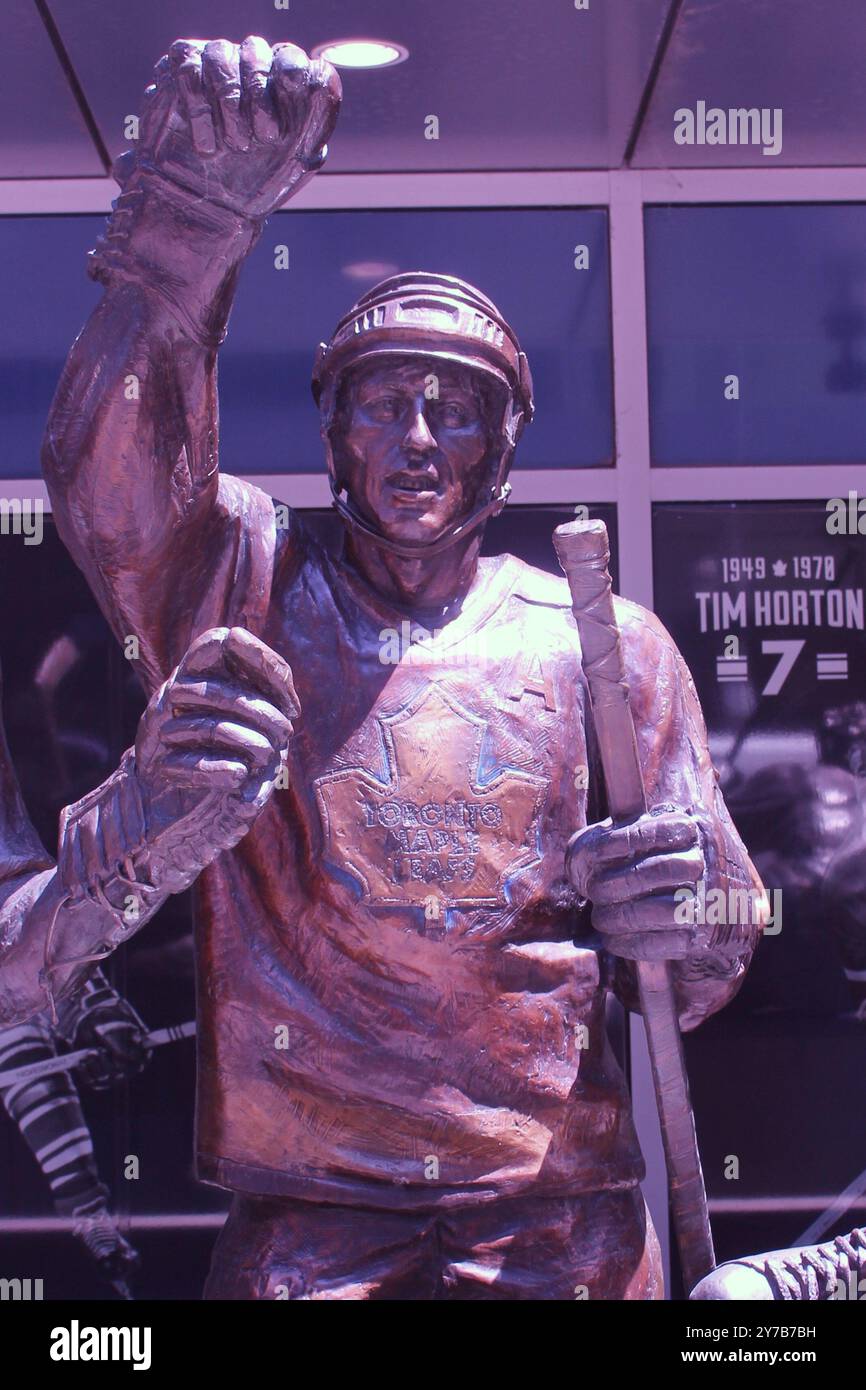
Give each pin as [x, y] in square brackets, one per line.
[526, 261]
[757, 334]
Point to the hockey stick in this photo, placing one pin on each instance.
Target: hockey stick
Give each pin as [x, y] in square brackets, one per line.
[67, 1061]
[582, 548]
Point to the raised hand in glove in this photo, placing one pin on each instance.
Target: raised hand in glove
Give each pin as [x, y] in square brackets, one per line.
[209, 748]
[227, 133]
[241, 125]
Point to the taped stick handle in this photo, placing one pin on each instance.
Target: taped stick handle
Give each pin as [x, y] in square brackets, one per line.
[584, 554]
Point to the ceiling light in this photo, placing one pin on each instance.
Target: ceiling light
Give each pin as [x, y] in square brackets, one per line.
[361, 53]
[370, 270]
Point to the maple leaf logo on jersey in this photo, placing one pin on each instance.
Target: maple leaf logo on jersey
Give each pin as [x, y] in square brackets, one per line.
[431, 830]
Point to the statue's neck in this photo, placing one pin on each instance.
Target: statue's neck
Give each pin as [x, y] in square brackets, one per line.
[425, 584]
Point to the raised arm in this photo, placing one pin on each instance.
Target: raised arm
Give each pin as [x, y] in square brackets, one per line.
[131, 450]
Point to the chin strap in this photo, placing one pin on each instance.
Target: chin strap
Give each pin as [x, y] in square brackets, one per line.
[417, 550]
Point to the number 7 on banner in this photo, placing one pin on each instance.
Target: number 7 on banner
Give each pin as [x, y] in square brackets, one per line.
[787, 652]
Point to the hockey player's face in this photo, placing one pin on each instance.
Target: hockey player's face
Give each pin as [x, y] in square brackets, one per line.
[414, 447]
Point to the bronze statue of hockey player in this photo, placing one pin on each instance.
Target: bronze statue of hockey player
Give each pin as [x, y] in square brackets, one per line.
[403, 1069]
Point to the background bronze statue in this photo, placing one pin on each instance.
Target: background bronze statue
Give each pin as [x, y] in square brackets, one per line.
[48, 1110]
[52, 1121]
[404, 1074]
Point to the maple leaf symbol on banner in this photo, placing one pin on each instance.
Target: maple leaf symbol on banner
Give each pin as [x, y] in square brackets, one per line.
[430, 829]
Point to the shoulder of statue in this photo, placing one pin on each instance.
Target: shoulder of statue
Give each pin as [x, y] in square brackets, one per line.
[251, 537]
[537, 586]
[654, 667]
[643, 633]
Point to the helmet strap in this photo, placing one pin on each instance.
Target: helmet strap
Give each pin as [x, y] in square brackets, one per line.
[417, 550]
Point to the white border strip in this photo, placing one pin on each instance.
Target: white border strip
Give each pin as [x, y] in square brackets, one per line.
[747, 483]
[551, 486]
[155, 1221]
[624, 486]
[794, 185]
[347, 191]
[502, 189]
[559, 486]
[213, 1220]
[723, 1205]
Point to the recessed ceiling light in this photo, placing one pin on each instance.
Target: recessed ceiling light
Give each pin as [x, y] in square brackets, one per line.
[361, 53]
[370, 270]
